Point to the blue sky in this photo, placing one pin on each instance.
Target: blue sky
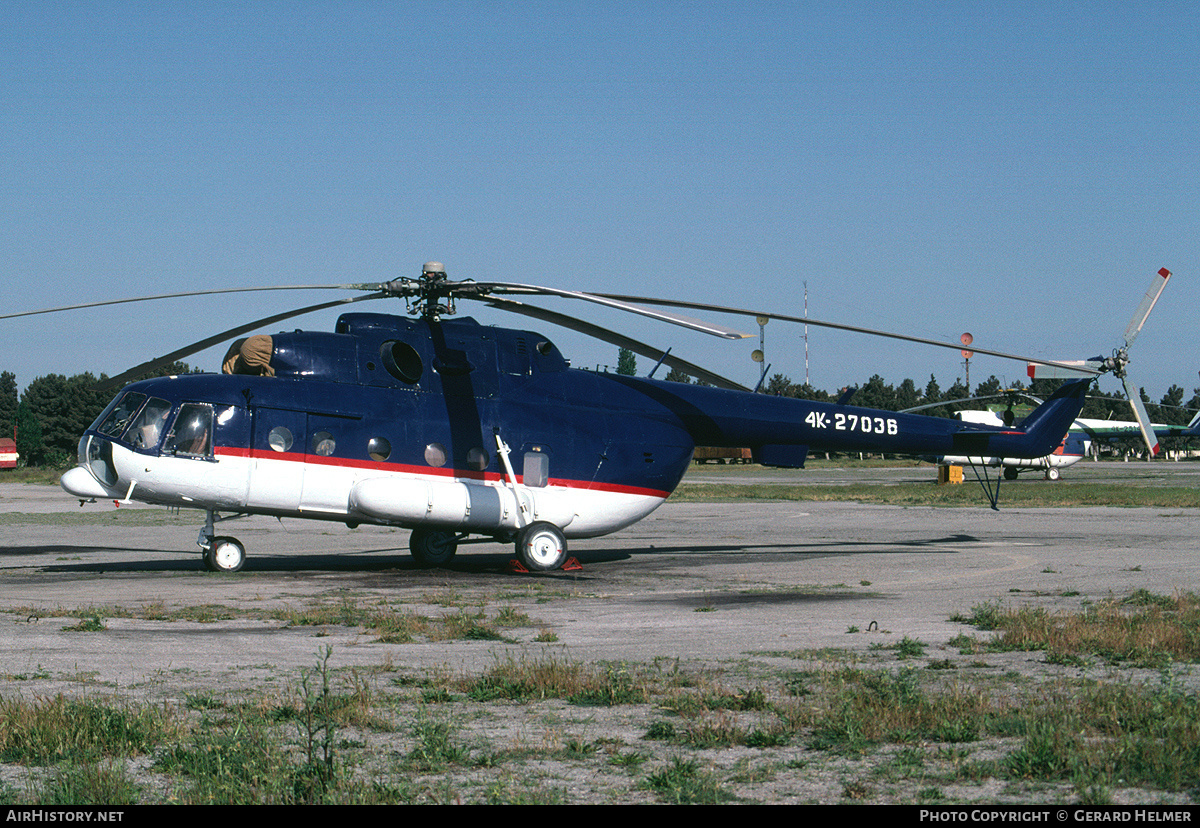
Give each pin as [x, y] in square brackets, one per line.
[1019, 170]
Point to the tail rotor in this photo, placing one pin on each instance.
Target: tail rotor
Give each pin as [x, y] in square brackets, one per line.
[1116, 364]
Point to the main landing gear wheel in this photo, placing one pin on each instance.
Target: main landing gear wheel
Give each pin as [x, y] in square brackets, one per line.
[224, 555]
[432, 547]
[1010, 473]
[541, 547]
[1053, 474]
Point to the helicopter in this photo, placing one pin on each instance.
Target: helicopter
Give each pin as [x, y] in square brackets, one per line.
[462, 432]
[1083, 432]
[1080, 438]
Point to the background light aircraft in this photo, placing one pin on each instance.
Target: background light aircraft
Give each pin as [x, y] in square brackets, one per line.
[453, 430]
[1075, 445]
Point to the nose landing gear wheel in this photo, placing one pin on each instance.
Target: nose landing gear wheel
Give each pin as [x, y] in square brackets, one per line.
[541, 547]
[224, 555]
[432, 547]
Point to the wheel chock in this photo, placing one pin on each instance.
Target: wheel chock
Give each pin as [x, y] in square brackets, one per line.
[569, 565]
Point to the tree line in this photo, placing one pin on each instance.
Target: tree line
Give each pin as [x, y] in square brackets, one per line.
[50, 416]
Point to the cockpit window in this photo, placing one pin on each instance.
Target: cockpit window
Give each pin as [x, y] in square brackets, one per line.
[117, 416]
[150, 423]
[192, 432]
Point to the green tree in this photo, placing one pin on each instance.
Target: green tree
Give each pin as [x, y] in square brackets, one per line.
[675, 375]
[1171, 407]
[64, 408]
[780, 386]
[989, 387]
[933, 395]
[954, 394]
[29, 437]
[907, 395]
[1044, 388]
[807, 392]
[626, 363]
[876, 393]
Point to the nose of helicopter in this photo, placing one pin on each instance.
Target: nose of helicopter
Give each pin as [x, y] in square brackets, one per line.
[80, 482]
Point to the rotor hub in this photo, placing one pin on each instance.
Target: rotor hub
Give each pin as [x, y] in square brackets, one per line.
[431, 290]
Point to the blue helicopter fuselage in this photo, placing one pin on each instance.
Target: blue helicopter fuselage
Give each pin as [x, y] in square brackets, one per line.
[448, 423]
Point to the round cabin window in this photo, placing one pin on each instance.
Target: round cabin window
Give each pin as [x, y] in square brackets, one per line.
[379, 449]
[322, 444]
[478, 459]
[435, 455]
[280, 439]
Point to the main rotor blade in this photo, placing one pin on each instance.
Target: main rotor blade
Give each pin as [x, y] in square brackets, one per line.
[1142, 417]
[807, 320]
[487, 288]
[216, 339]
[1147, 305]
[1008, 396]
[620, 340]
[187, 294]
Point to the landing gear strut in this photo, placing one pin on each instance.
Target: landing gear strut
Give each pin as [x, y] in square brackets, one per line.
[220, 554]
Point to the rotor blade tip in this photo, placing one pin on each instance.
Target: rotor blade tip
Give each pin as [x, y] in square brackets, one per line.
[1163, 272]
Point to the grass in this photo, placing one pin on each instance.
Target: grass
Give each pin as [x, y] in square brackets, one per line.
[388, 623]
[552, 676]
[906, 733]
[61, 729]
[1141, 630]
[1077, 493]
[683, 782]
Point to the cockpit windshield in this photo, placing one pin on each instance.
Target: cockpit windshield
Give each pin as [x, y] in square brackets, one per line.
[134, 418]
[118, 414]
[147, 426]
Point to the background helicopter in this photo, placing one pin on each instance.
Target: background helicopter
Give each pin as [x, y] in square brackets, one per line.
[452, 429]
[1084, 432]
[1078, 439]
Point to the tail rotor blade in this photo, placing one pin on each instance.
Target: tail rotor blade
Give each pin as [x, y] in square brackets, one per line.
[1143, 418]
[1067, 369]
[1148, 301]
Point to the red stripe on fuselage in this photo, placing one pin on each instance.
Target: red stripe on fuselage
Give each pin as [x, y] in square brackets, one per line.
[429, 471]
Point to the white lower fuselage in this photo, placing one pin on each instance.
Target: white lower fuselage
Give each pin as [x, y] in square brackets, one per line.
[235, 481]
